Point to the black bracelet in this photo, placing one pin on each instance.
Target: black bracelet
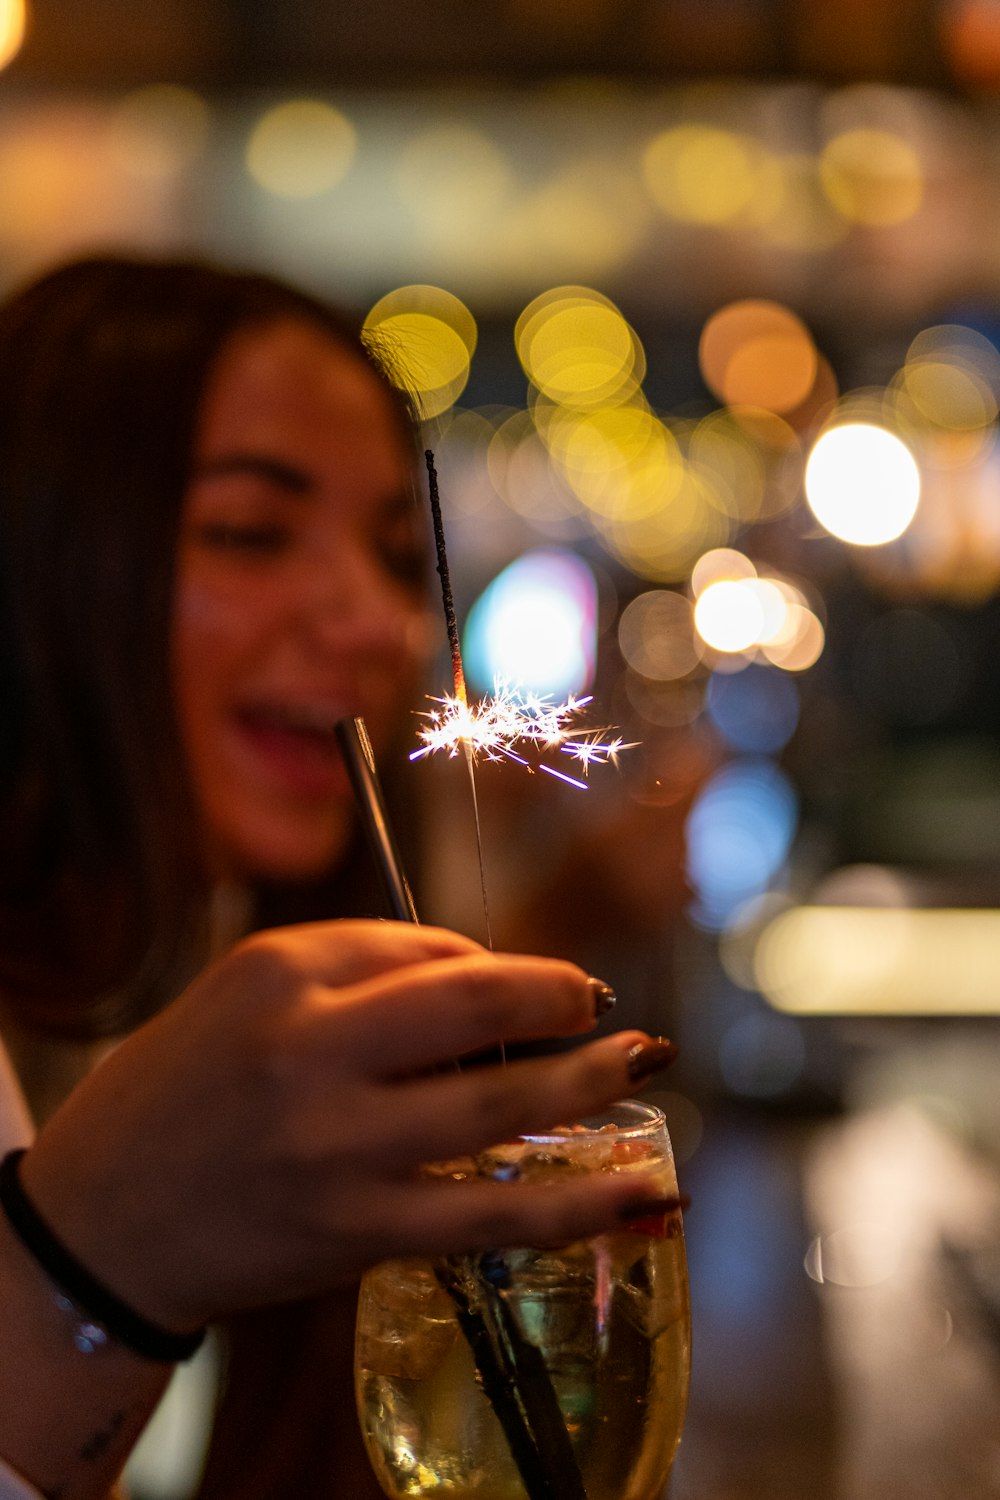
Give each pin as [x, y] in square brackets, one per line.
[94, 1299]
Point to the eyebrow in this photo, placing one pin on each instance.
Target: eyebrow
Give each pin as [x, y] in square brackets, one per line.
[257, 465]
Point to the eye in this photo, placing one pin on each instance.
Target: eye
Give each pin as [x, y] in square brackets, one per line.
[251, 540]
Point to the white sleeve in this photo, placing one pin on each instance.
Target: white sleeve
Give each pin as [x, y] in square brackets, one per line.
[13, 1487]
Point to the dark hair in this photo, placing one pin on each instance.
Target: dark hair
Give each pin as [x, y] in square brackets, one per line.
[103, 363]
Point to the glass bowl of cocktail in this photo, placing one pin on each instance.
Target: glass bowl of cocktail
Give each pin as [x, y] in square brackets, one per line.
[535, 1373]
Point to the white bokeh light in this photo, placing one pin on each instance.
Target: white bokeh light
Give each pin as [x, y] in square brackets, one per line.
[729, 615]
[862, 484]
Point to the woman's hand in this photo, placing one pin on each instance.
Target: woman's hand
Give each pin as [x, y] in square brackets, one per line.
[261, 1138]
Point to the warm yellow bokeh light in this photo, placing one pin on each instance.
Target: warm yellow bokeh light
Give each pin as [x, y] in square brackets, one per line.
[702, 174]
[862, 484]
[948, 395]
[577, 349]
[428, 337]
[720, 448]
[800, 641]
[661, 523]
[13, 25]
[622, 461]
[951, 378]
[872, 176]
[843, 960]
[301, 149]
[759, 354]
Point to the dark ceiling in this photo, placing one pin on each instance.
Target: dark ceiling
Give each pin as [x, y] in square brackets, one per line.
[229, 43]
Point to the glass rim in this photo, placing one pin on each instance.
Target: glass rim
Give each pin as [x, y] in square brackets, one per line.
[632, 1118]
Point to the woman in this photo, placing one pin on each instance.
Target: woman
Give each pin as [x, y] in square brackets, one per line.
[209, 553]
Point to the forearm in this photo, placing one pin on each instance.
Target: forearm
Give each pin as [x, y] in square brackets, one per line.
[68, 1419]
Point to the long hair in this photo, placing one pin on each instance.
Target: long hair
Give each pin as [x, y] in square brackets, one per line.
[103, 362]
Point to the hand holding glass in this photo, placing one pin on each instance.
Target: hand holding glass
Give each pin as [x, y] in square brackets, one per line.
[605, 1322]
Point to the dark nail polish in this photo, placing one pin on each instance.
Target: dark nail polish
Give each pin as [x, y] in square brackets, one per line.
[605, 998]
[646, 1058]
[638, 1209]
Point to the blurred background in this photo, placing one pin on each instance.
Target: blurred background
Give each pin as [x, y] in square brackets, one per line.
[701, 302]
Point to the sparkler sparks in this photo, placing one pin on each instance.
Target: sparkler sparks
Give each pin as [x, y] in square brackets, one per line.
[508, 723]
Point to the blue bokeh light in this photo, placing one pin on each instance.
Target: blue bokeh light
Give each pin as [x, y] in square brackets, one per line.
[739, 833]
[756, 710]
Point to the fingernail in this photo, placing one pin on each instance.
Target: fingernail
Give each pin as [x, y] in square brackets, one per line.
[605, 998]
[649, 1057]
[646, 1208]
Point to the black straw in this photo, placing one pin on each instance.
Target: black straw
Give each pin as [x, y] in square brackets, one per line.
[356, 748]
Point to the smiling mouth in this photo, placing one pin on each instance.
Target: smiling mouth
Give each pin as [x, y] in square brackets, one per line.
[298, 742]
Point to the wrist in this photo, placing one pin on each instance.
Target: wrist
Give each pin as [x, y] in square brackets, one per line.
[68, 1420]
[97, 1313]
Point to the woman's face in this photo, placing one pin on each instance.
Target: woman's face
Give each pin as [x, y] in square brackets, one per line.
[298, 594]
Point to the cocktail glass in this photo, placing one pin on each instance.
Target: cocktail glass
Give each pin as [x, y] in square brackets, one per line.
[551, 1374]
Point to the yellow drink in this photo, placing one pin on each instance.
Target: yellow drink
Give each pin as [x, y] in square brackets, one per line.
[609, 1316]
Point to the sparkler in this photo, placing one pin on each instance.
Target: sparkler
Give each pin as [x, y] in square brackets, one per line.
[503, 725]
[508, 722]
[512, 1371]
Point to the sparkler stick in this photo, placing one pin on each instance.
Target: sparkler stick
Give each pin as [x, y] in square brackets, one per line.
[458, 673]
[513, 1372]
[447, 598]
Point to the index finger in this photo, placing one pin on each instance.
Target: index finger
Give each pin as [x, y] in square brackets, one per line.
[397, 1024]
[347, 951]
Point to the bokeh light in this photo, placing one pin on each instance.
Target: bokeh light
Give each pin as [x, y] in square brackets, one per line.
[951, 377]
[301, 149]
[656, 636]
[732, 464]
[862, 483]
[13, 26]
[739, 834]
[662, 527]
[576, 347]
[729, 615]
[872, 177]
[842, 960]
[755, 711]
[758, 353]
[524, 476]
[535, 627]
[800, 641]
[720, 564]
[621, 461]
[428, 336]
[702, 174]
[859, 1255]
